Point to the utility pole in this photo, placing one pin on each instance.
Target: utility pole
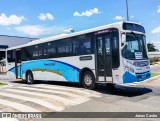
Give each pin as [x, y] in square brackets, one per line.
[127, 10]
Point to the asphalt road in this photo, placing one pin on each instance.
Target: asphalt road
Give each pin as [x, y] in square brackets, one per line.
[144, 97]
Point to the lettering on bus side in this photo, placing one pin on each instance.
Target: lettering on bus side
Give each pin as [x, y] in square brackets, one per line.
[103, 31]
[49, 64]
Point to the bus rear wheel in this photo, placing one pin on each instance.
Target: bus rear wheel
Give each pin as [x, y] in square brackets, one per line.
[29, 78]
[88, 80]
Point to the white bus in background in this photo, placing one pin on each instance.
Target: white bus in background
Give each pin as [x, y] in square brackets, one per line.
[110, 54]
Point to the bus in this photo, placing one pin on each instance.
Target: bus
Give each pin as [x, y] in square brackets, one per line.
[111, 54]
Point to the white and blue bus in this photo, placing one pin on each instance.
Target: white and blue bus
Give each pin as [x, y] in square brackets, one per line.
[111, 54]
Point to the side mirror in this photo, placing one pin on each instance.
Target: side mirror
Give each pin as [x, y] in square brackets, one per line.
[123, 38]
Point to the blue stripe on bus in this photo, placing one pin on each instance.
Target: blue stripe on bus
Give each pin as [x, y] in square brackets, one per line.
[74, 67]
[68, 71]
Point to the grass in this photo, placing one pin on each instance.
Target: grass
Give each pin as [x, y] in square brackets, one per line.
[1, 84]
[155, 74]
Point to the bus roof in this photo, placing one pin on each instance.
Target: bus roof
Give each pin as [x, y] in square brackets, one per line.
[63, 36]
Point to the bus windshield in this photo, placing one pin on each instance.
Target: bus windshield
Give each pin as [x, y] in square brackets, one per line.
[135, 47]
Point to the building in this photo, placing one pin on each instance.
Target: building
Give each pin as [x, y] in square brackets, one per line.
[11, 41]
[2, 51]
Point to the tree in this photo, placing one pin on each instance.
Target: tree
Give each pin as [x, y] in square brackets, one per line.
[151, 47]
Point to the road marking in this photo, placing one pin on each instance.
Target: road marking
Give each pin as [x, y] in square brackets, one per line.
[18, 106]
[55, 97]
[84, 92]
[37, 101]
[53, 91]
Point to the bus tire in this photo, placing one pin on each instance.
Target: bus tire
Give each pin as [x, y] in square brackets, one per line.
[29, 78]
[88, 80]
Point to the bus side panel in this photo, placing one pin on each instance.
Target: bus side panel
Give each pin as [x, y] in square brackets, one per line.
[58, 69]
[11, 73]
[51, 70]
[78, 63]
[35, 67]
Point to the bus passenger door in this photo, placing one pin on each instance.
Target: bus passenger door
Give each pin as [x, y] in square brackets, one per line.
[18, 62]
[103, 58]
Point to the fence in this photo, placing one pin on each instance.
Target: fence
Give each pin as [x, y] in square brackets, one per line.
[154, 57]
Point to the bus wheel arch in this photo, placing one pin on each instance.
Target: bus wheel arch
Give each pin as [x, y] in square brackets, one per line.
[86, 72]
[29, 77]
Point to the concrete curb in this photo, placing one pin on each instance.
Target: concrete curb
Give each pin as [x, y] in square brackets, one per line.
[151, 79]
[145, 81]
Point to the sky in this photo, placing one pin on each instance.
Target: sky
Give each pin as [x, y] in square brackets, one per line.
[44, 18]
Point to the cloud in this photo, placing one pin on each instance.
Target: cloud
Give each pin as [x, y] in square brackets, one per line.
[87, 13]
[156, 30]
[158, 10]
[131, 16]
[30, 30]
[119, 18]
[11, 20]
[37, 30]
[46, 16]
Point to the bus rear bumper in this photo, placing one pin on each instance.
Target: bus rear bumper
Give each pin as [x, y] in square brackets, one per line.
[130, 78]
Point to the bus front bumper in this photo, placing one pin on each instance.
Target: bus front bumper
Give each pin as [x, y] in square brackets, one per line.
[130, 78]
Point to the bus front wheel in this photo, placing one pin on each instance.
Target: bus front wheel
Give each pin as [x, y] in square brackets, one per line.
[29, 78]
[89, 80]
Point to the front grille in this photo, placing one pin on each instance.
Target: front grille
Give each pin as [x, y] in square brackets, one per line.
[141, 63]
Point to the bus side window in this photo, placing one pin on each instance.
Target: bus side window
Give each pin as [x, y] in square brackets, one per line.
[76, 48]
[65, 48]
[35, 52]
[82, 45]
[45, 51]
[40, 53]
[87, 47]
[26, 54]
[51, 52]
[11, 56]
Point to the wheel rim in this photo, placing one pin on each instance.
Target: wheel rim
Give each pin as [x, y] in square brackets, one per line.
[29, 78]
[88, 80]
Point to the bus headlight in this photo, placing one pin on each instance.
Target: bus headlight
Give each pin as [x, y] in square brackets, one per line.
[148, 67]
[130, 69]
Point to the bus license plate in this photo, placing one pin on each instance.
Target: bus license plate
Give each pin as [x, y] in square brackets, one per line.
[144, 76]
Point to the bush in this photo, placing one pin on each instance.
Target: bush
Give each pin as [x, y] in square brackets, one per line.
[1, 84]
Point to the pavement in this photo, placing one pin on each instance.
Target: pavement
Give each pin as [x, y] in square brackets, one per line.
[69, 97]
